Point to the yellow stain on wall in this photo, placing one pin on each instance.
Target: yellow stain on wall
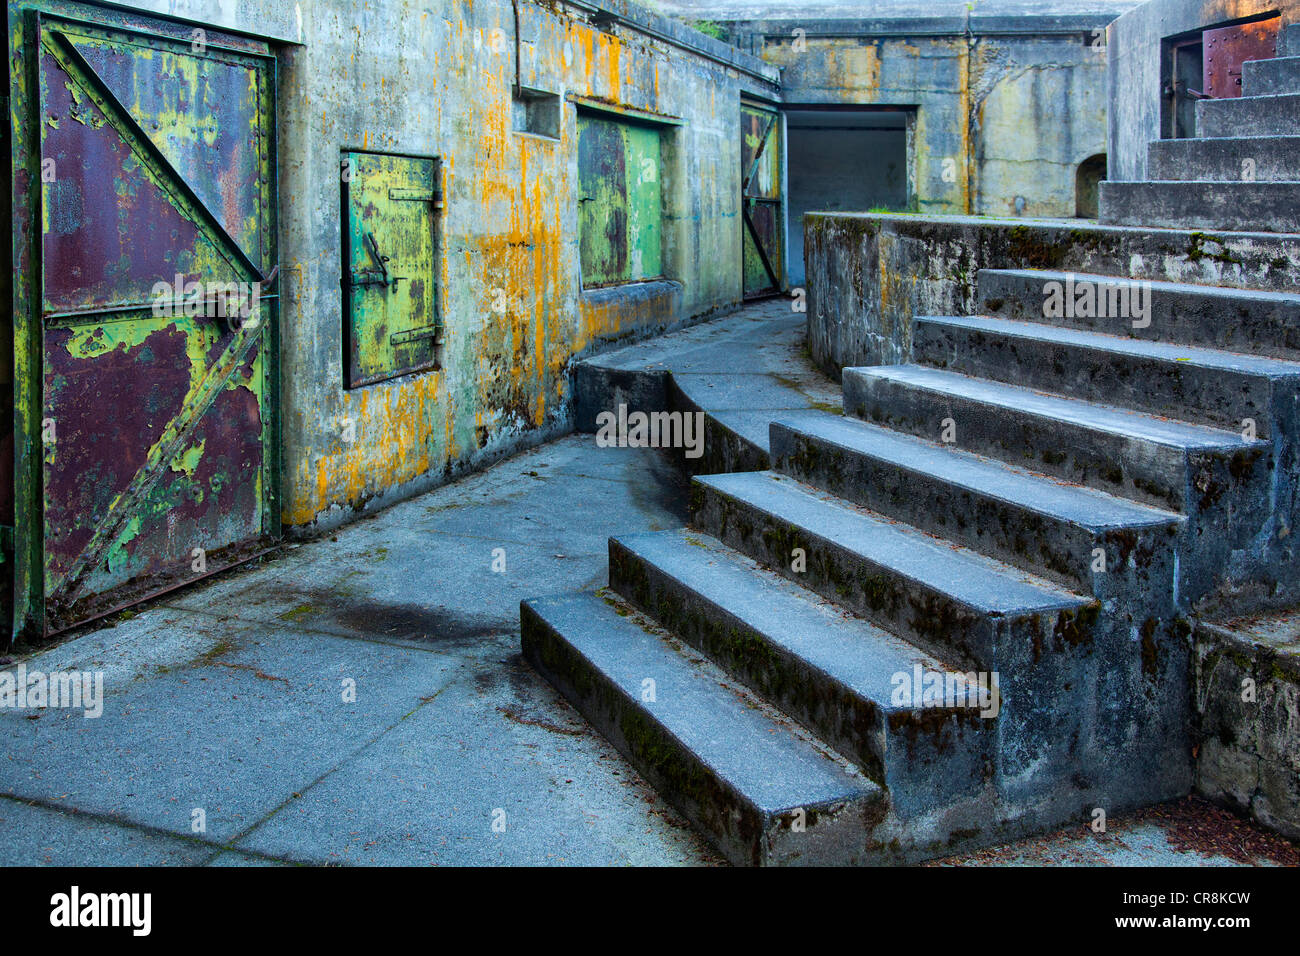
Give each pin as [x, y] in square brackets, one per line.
[503, 368]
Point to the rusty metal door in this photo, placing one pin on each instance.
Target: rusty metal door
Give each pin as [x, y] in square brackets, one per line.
[391, 325]
[1225, 49]
[152, 410]
[762, 203]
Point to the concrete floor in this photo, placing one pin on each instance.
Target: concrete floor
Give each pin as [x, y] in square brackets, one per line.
[227, 698]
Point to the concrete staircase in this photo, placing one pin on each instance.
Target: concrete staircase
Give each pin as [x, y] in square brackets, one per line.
[1040, 499]
[1241, 172]
[1050, 491]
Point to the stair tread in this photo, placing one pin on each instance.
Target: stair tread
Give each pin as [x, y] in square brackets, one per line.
[1032, 491]
[1262, 296]
[1106, 418]
[982, 583]
[855, 652]
[1143, 348]
[754, 748]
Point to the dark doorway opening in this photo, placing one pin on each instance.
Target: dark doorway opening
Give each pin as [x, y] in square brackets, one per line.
[1087, 186]
[845, 160]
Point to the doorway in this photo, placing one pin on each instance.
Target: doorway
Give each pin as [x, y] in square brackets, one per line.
[843, 160]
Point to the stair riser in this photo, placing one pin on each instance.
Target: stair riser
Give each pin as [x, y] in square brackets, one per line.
[1271, 159]
[724, 450]
[1171, 389]
[1120, 464]
[927, 758]
[1271, 77]
[1249, 116]
[1236, 323]
[1225, 495]
[835, 834]
[1139, 561]
[1238, 207]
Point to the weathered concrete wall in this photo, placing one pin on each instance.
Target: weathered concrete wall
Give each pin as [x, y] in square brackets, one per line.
[436, 79]
[1008, 97]
[1134, 53]
[869, 274]
[1247, 693]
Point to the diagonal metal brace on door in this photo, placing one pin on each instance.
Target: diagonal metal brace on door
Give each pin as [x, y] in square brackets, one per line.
[172, 441]
[758, 155]
[758, 244]
[216, 376]
[83, 74]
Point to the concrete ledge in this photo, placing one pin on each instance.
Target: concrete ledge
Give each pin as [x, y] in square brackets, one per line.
[630, 310]
[868, 274]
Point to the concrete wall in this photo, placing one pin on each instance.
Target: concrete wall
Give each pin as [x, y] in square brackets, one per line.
[1247, 694]
[1133, 43]
[436, 78]
[1008, 103]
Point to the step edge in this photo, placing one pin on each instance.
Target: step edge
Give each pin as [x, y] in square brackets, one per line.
[862, 788]
[1153, 517]
[875, 372]
[1064, 598]
[870, 630]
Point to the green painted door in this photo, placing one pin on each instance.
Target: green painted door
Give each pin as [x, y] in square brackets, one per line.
[620, 213]
[390, 251]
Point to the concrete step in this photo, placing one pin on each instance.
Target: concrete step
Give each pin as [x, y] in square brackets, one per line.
[1249, 116]
[836, 674]
[754, 782]
[1290, 39]
[1160, 462]
[942, 597]
[1276, 77]
[1184, 382]
[1017, 516]
[1240, 207]
[1229, 159]
[1210, 316]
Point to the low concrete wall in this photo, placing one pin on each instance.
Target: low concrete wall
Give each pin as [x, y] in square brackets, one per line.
[1247, 689]
[1133, 44]
[868, 274]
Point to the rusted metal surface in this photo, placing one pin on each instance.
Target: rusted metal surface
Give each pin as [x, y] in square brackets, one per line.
[761, 199]
[392, 326]
[153, 398]
[619, 204]
[1225, 49]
